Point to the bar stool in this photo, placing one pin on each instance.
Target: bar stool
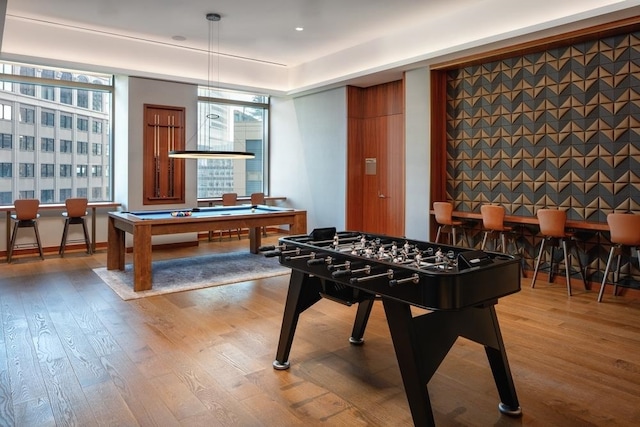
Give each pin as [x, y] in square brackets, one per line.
[552, 227]
[258, 199]
[26, 216]
[625, 232]
[493, 224]
[446, 223]
[76, 211]
[230, 199]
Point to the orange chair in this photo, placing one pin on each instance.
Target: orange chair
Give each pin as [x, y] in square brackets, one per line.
[26, 216]
[446, 223]
[552, 227]
[76, 211]
[625, 232]
[230, 199]
[258, 199]
[493, 224]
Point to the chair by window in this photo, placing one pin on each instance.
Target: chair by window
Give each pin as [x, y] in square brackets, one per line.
[494, 227]
[258, 199]
[446, 223]
[26, 216]
[552, 227]
[230, 199]
[75, 214]
[625, 233]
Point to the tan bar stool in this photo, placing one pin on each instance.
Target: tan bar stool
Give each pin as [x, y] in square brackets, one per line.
[493, 224]
[552, 227]
[258, 199]
[75, 214]
[446, 223]
[625, 233]
[26, 216]
[230, 199]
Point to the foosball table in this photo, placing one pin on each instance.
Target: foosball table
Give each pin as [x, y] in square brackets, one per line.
[458, 287]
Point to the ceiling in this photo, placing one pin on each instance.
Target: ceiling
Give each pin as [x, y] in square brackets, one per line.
[256, 46]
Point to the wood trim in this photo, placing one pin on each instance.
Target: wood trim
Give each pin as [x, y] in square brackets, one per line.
[621, 26]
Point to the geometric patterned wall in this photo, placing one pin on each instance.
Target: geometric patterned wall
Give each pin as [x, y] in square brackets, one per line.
[558, 128]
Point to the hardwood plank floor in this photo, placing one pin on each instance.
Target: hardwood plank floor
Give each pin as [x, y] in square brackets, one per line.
[73, 353]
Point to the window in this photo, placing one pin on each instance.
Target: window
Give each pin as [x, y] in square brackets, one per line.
[66, 122]
[96, 170]
[25, 88]
[47, 170]
[6, 197]
[27, 143]
[27, 170]
[65, 171]
[44, 106]
[46, 196]
[66, 94]
[6, 170]
[6, 140]
[47, 144]
[27, 115]
[96, 193]
[82, 147]
[27, 194]
[96, 149]
[83, 124]
[6, 112]
[66, 146]
[48, 118]
[65, 193]
[81, 192]
[241, 126]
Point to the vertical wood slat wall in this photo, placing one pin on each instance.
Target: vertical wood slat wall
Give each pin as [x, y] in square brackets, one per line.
[375, 129]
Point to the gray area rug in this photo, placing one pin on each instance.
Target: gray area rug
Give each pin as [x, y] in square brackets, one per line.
[184, 274]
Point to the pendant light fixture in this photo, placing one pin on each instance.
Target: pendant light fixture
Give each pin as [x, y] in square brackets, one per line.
[211, 154]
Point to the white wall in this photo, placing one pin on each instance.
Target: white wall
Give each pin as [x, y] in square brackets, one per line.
[418, 154]
[308, 154]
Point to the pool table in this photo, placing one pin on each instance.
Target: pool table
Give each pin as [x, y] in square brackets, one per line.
[144, 224]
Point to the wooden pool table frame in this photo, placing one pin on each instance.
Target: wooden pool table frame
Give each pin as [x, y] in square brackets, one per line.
[142, 230]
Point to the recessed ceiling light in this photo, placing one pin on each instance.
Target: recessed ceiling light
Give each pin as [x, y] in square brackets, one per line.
[299, 29]
[179, 38]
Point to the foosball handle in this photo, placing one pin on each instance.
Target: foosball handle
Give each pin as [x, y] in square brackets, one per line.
[341, 273]
[266, 248]
[272, 254]
[316, 261]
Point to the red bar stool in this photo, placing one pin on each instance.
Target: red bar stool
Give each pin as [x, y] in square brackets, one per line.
[75, 214]
[552, 227]
[493, 224]
[26, 216]
[446, 223]
[625, 233]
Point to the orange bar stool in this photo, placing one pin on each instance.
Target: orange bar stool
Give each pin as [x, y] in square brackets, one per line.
[625, 233]
[230, 199]
[493, 224]
[26, 216]
[552, 227]
[75, 214]
[258, 199]
[446, 223]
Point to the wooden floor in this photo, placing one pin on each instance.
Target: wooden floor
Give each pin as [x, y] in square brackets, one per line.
[73, 353]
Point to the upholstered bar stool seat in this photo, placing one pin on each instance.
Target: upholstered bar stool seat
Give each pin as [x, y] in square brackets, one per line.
[75, 214]
[552, 227]
[625, 233]
[26, 216]
[446, 223]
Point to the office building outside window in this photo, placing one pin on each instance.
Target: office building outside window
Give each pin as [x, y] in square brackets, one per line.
[232, 121]
[48, 110]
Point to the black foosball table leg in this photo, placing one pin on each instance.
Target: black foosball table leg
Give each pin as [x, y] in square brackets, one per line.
[360, 324]
[304, 291]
